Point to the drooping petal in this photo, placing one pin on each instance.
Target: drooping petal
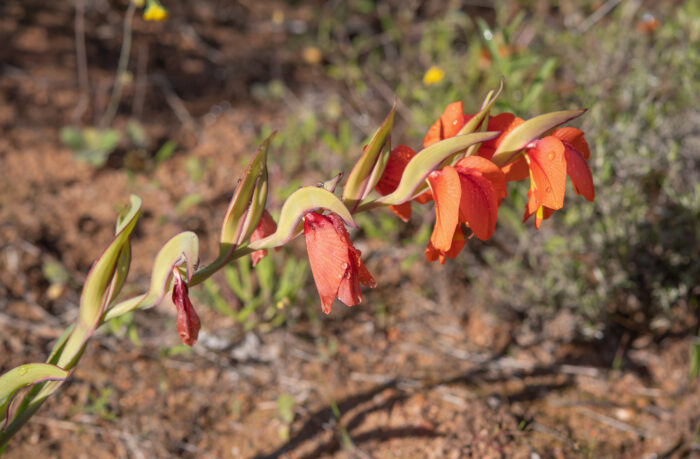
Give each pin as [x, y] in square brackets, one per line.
[580, 174]
[446, 188]
[517, 170]
[188, 323]
[488, 170]
[328, 256]
[265, 227]
[479, 203]
[403, 211]
[335, 264]
[548, 172]
[458, 241]
[575, 138]
[424, 198]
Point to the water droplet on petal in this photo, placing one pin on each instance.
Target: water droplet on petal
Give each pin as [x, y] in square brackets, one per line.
[551, 155]
[344, 266]
[22, 370]
[548, 189]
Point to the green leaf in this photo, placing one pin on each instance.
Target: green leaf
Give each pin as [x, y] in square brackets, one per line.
[72, 138]
[26, 375]
[297, 205]
[421, 165]
[135, 133]
[165, 151]
[181, 249]
[521, 136]
[472, 125]
[101, 283]
[248, 202]
[369, 168]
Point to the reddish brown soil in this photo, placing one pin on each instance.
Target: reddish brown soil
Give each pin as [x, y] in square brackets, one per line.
[421, 369]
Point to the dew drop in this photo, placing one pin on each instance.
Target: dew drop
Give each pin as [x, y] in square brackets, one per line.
[22, 370]
[551, 155]
[344, 266]
[548, 189]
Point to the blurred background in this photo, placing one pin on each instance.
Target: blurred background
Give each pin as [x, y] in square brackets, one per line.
[577, 339]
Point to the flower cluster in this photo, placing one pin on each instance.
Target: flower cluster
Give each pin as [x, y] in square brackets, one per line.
[467, 188]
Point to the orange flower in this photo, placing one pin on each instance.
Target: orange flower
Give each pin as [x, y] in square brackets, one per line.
[266, 227]
[470, 192]
[335, 263]
[550, 160]
[504, 122]
[188, 323]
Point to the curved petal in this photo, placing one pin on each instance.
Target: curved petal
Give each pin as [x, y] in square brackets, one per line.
[479, 203]
[541, 212]
[548, 172]
[328, 256]
[458, 241]
[265, 227]
[575, 138]
[403, 211]
[398, 159]
[488, 170]
[446, 192]
[448, 125]
[517, 170]
[580, 174]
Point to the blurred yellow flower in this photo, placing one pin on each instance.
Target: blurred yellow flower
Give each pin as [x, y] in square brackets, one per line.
[139, 3]
[155, 12]
[434, 75]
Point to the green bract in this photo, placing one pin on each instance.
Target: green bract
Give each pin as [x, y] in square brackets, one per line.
[518, 138]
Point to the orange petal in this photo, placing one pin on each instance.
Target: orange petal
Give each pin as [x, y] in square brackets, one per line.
[517, 170]
[403, 211]
[452, 119]
[434, 134]
[575, 138]
[396, 164]
[329, 256]
[548, 172]
[446, 189]
[541, 212]
[479, 203]
[488, 170]
[580, 174]
[458, 241]
[424, 198]
[504, 122]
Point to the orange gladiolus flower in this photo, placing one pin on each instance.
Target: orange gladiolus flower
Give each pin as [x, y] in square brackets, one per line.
[266, 227]
[550, 160]
[470, 192]
[188, 323]
[335, 262]
[504, 122]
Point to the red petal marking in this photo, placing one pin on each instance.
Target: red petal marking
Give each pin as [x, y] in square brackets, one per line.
[188, 323]
[488, 170]
[266, 227]
[446, 191]
[580, 174]
[479, 203]
[403, 211]
[517, 170]
[398, 159]
[548, 172]
[335, 263]
[575, 138]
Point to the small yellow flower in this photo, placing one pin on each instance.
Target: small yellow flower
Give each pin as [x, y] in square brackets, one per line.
[139, 3]
[434, 75]
[155, 12]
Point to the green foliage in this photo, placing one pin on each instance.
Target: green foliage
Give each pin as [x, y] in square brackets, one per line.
[264, 291]
[90, 145]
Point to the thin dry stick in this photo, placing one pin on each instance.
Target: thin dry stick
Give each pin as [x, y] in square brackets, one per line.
[81, 62]
[111, 110]
[141, 81]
